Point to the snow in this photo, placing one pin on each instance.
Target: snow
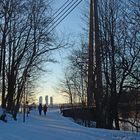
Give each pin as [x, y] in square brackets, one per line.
[53, 126]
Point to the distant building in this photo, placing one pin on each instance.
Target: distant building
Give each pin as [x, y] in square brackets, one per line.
[46, 100]
[51, 100]
[40, 100]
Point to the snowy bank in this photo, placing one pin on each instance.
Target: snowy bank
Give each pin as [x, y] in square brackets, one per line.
[53, 126]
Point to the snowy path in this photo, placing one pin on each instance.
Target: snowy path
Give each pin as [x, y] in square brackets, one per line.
[53, 126]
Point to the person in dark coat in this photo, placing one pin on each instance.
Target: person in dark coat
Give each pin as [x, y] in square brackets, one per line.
[40, 109]
[45, 109]
[3, 116]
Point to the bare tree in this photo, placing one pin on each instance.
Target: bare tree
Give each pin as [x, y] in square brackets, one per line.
[119, 52]
[25, 46]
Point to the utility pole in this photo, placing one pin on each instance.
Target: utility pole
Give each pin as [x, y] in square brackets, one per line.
[99, 87]
[90, 59]
[95, 81]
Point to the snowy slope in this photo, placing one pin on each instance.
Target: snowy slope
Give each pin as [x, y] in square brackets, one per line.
[53, 126]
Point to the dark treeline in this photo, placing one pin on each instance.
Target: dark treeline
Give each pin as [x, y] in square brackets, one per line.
[116, 61]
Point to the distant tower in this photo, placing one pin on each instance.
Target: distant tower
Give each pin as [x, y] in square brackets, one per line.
[46, 100]
[51, 100]
[40, 100]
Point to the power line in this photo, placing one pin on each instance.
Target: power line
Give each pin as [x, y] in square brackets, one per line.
[64, 12]
[58, 12]
[56, 15]
[67, 9]
[64, 15]
[63, 9]
[60, 15]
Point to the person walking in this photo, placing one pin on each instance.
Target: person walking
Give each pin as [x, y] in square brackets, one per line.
[45, 109]
[40, 108]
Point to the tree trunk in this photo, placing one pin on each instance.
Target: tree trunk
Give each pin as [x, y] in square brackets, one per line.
[99, 88]
[3, 75]
[90, 59]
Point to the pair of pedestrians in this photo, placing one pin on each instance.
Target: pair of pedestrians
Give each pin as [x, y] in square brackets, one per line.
[44, 108]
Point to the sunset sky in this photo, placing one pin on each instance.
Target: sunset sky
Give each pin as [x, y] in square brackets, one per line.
[72, 24]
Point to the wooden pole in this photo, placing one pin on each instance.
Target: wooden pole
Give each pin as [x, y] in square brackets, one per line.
[90, 59]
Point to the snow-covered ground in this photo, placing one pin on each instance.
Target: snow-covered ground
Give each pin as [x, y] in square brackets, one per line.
[53, 126]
